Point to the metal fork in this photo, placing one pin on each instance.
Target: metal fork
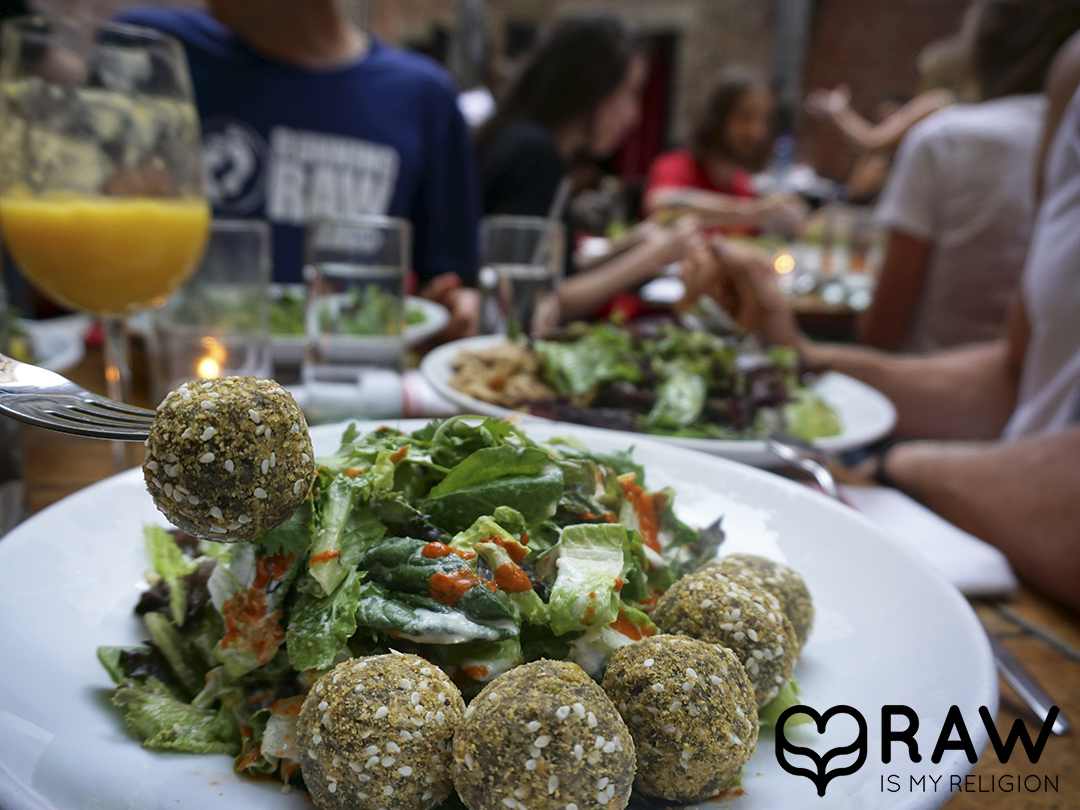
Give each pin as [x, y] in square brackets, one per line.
[44, 399]
[806, 457]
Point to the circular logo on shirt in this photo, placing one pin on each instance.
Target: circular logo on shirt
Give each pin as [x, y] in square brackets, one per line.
[235, 158]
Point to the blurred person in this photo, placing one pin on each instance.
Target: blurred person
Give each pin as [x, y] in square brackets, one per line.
[959, 203]
[712, 177]
[993, 429]
[576, 99]
[945, 77]
[304, 115]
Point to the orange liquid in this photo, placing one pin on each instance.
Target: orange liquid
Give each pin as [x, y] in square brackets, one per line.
[107, 255]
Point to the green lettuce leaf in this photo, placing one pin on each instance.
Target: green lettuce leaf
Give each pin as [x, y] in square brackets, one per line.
[165, 723]
[170, 563]
[590, 561]
[680, 400]
[809, 417]
[535, 496]
[788, 697]
[423, 620]
[320, 626]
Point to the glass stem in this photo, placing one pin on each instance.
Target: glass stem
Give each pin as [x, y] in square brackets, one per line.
[117, 375]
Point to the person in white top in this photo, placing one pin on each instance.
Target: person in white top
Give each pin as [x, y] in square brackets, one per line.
[996, 424]
[958, 206]
[959, 202]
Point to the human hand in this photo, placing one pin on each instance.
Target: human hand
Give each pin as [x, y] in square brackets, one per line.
[781, 212]
[824, 103]
[462, 302]
[673, 242]
[742, 280]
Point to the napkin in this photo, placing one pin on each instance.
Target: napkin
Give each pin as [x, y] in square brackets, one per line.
[973, 566]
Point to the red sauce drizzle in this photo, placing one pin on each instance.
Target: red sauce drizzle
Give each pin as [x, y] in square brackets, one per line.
[514, 550]
[645, 508]
[627, 628]
[399, 454]
[449, 588]
[512, 579]
[619, 582]
[436, 549]
[475, 672]
[325, 556]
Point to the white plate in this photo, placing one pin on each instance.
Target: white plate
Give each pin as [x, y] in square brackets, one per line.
[57, 343]
[290, 348]
[866, 414]
[889, 630]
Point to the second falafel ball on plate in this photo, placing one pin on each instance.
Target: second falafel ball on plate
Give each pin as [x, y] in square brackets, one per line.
[543, 736]
[376, 732]
[748, 620]
[691, 711]
[782, 581]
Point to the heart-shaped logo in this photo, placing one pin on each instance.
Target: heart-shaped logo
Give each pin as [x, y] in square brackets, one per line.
[823, 776]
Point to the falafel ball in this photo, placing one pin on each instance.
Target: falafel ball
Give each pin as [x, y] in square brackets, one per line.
[782, 581]
[691, 711]
[543, 736]
[376, 733]
[748, 620]
[228, 459]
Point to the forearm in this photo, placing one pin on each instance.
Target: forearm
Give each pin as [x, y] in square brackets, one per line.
[854, 127]
[713, 208]
[1020, 496]
[966, 393]
[582, 294]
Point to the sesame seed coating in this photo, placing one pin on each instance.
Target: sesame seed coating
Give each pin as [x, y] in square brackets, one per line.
[748, 621]
[783, 582]
[502, 758]
[369, 745]
[694, 747]
[213, 458]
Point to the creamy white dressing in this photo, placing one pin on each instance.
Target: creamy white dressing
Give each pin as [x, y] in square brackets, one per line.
[454, 628]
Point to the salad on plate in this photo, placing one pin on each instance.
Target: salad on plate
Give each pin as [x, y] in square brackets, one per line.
[463, 542]
[663, 379]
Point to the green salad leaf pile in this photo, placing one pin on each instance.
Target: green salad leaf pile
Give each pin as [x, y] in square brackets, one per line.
[464, 542]
[369, 312]
[677, 381]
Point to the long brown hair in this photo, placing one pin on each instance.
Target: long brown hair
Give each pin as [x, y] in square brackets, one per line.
[581, 63]
[709, 135]
[1013, 42]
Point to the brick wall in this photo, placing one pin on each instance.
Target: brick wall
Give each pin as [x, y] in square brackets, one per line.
[871, 46]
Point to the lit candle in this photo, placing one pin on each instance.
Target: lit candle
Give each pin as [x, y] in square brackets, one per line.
[209, 366]
[784, 263]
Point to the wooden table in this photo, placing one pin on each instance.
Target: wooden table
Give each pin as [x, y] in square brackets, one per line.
[57, 465]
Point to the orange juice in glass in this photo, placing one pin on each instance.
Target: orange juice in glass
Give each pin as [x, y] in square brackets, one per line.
[106, 255]
[101, 190]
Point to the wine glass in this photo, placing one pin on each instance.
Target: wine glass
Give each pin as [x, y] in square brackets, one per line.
[102, 202]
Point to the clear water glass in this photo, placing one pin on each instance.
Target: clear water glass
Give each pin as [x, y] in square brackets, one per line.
[355, 320]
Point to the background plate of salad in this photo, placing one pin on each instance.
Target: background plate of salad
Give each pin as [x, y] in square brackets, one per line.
[864, 413]
[423, 320]
[889, 630]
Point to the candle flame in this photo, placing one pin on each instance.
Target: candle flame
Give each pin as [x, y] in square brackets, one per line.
[209, 367]
[784, 263]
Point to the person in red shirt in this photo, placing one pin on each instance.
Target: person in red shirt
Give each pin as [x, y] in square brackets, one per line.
[712, 175]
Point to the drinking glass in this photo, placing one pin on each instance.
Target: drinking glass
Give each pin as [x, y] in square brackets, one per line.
[355, 318]
[218, 323]
[521, 267]
[101, 193]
